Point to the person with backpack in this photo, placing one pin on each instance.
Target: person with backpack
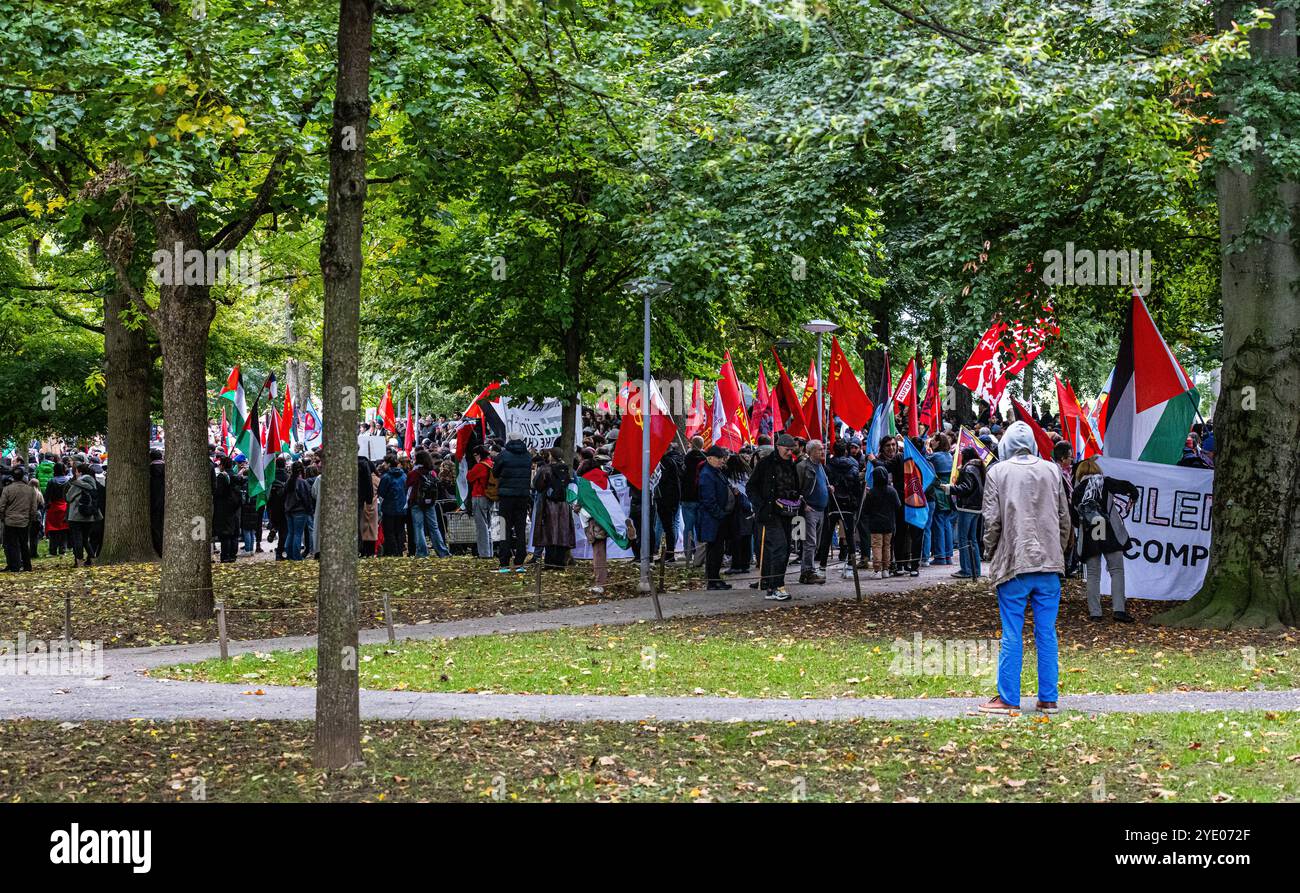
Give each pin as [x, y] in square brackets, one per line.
[967, 496]
[814, 489]
[716, 504]
[82, 515]
[483, 492]
[56, 510]
[422, 498]
[555, 531]
[1102, 535]
[843, 474]
[227, 503]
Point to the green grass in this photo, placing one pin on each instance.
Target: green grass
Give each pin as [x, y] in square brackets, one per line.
[1170, 757]
[679, 659]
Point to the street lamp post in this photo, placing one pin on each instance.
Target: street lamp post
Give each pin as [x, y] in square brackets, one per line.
[820, 327]
[647, 287]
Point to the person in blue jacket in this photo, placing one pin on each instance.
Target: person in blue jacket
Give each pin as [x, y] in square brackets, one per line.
[392, 508]
[716, 501]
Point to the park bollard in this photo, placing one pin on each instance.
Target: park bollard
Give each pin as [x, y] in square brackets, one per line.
[221, 630]
[388, 619]
[539, 584]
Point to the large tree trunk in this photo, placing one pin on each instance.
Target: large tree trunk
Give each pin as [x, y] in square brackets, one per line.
[128, 377]
[338, 708]
[958, 398]
[1253, 579]
[184, 317]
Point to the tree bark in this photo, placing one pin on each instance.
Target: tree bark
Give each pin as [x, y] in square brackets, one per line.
[128, 377]
[959, 396]
[572, 369]
[338, 708]
[184, 318]
[1253, 578]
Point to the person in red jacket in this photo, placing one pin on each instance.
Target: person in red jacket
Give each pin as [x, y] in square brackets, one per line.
[480, 504]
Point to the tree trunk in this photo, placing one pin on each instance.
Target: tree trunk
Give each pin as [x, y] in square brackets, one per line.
[959, 396]
[572, 369]
[1253, 579]
[128, 377]
[184, 318]
[1027, 388]
[338, 707]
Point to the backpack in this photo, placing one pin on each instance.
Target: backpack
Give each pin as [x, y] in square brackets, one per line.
[428, 489]
[1092, 514]
[557, 484]
[492, 486]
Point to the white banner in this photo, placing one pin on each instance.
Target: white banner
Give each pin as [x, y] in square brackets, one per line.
[372, 446]
[539, 423]
[1168, 528]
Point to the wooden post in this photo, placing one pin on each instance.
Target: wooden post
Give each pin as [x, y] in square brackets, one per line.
[221, 630]
[539, 584]
[67, 616]
[388, 619]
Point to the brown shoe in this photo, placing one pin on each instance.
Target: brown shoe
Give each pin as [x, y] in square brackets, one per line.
[999, 706]
[1047, 707]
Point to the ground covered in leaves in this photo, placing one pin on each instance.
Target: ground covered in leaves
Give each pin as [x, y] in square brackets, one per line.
[939, 642]
[115, 604]
[1181, 757]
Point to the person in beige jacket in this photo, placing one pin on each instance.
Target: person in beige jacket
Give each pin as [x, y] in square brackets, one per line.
[1026, 528]
[19, 507]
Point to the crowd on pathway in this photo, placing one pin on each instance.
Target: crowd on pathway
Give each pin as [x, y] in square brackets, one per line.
[1024, 521]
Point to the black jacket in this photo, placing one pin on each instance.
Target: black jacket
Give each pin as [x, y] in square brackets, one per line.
[882, 503]
[1089, 545]
[691, 475]
[672, 467]
[968, 493]
[774, 478]
[843, 473]
[226, 503]
[157, 486]
[513, 468]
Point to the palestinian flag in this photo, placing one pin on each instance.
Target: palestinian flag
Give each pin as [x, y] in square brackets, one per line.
[471, 432]
[258, 486]
[601, 504]
[233, 393]
[882, 420]
[1152, 401]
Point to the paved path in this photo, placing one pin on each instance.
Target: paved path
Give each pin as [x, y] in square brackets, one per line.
[123, 693]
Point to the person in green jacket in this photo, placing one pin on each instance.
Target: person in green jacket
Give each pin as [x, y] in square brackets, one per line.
[45, 471]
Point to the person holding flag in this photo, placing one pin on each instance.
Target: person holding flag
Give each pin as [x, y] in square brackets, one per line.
[967, 495]
[773, 489]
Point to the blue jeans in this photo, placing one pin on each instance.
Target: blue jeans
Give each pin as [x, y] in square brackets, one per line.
[1043, 592]
[968, 546]
[297, 529]
[249, 540]
[309, 536]
[941, 535]
[689, 510]
[925, 533]
[425, 520]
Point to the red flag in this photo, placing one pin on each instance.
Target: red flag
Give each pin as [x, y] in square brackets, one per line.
[627, 449]
[786, 416]
[697, 417]
[761, 416]
[1074, 422]
[984, 373]
[735, 423]
[286, 418]
[905, 397]
[386, 413]
[271, 433]
[930, 415]
[1040, 436]
[225, 430]
[847, 399]
[409, 444]
[811, 419]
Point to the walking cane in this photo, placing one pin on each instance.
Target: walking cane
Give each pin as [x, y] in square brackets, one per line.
[762, 541]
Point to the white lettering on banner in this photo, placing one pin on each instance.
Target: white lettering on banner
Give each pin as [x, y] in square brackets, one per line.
[539, 423]
[1168, 527]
